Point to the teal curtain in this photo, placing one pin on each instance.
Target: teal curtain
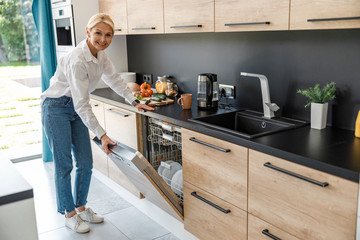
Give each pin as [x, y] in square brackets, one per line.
[44, 24]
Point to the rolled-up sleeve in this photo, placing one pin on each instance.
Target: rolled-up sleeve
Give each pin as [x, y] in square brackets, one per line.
[79, 86]
[115, 82]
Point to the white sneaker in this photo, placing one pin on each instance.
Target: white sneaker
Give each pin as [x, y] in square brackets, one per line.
[89, 216]
[77, 224]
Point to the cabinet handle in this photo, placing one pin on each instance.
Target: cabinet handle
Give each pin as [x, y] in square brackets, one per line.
[321, 184]
[209, 145]
[117, 112]
[94, 104]
[226, 211]
[117, 29]
[332, 19]
[246, 23]
[267, 233]
[187, 26]
[144, 28]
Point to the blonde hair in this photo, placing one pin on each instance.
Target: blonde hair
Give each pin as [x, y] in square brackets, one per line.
[98, 18]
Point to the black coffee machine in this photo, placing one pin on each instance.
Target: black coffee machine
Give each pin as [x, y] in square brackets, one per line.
[207, 92]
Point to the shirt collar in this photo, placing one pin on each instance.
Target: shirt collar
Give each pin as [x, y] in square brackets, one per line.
[88, 55]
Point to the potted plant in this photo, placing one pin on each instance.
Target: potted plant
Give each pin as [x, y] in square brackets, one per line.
[318, 100]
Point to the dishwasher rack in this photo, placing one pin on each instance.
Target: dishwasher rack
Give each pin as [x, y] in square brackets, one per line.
[164, 146]
[164, 142]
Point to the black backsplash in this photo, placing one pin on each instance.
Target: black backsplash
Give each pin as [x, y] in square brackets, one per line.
[291, 60]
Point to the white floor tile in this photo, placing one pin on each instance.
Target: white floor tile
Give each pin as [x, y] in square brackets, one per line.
[168, 237]
[102, 231]
[122, 220]
[136, 225]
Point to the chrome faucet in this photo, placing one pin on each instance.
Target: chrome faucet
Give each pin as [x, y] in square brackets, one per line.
[269, 108]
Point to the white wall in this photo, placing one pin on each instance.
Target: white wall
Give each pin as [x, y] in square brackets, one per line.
[117, 52]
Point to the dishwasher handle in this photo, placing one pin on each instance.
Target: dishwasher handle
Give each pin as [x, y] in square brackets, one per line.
[209, 145]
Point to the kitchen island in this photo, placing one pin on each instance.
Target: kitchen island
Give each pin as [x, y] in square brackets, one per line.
[16, 198]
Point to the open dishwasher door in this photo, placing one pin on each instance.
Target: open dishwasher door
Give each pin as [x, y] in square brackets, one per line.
[141, 173]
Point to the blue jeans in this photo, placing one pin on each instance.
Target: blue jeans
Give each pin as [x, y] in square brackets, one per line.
[67, 134]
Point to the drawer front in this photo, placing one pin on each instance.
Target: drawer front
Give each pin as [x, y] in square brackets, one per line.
[208, 222]
[121, 125]
[304, 209]
[261, 230]
[224, 174]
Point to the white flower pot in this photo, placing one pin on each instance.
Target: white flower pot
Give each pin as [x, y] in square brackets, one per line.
[319, 115]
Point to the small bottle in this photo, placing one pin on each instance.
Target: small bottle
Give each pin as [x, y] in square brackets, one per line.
[357, 126]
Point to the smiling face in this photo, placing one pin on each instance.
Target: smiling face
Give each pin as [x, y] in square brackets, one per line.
[99, 37]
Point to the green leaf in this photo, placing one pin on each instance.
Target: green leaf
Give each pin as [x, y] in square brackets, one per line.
[317, 95]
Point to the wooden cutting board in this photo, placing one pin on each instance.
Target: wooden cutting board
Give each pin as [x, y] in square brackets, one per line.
[162, 103]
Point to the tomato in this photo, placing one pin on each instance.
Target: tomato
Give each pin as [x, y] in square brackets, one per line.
[150, 92]
[146, 94]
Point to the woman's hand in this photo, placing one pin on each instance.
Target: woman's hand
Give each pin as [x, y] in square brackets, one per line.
[105, 141]
[143, 107]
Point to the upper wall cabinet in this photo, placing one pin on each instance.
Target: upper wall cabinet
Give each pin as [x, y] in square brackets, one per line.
[325, 14]
[188, 16]
[245, 15]
[117, 11]
[145, 16]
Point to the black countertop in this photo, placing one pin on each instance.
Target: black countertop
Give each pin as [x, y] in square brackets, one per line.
[13, 186]
[332, 150]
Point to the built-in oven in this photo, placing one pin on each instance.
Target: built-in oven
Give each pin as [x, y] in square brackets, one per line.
[58, 3]
[158, 174]
[64, 31]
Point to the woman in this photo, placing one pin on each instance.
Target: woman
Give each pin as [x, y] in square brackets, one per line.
[67, 116]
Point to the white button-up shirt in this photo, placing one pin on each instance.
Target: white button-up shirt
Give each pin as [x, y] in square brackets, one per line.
[78, 74]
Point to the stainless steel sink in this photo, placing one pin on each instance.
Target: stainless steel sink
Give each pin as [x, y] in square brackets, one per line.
[248, 123]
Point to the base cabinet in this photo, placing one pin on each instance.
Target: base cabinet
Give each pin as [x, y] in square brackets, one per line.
[215, 187]
[100, 160]
[261, 230]
[323, 209]
[208, 222]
